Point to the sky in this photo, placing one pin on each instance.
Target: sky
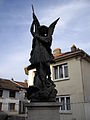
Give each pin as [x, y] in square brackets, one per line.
[15, 37]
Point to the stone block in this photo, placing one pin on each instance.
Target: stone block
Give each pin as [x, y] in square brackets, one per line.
[43, 111]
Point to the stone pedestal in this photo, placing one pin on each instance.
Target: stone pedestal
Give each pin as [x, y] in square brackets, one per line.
[43, 111]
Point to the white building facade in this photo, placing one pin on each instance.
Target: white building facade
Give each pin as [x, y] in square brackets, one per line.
[12, 97]
[9, 104]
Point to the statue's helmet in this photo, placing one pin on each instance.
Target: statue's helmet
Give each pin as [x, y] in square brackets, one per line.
[43, 30]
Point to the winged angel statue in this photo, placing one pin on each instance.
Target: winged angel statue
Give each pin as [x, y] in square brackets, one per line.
[41, 58]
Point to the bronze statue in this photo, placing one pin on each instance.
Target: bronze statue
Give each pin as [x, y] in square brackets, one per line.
[41, 58]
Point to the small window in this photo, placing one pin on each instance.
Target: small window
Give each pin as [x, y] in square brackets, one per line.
[1, 93]
[65, 102]
[0, 106]
[11, 107]
[61, 71]
[66, 71]
[12, 94]
[68, 103]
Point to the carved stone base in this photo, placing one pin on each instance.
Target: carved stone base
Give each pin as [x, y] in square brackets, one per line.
[43, 111]
[42, 95]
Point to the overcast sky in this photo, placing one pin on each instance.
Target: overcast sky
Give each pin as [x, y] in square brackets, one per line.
[16, 40]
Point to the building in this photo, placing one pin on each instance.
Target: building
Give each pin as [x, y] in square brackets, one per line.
[22, 95]
[72, 79]
[12, 94]
[71, 75]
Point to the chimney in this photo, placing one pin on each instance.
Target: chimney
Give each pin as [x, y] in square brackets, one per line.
[57, 51]
[25, 81]
[12, 79]
[73, 48]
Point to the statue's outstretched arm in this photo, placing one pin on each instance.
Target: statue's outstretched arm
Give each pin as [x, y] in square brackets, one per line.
[35, 24]
[36, 21]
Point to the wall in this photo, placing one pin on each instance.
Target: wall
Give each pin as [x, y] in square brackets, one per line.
[85, 65]
[86, 79]
[6, 100]
[73, 87]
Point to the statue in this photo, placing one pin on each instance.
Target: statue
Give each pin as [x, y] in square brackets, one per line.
[41, 58]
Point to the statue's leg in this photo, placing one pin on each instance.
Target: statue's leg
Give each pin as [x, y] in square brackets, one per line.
[42, 74]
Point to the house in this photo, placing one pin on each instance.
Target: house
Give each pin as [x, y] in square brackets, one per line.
[71, 74]
[72, 79]
[12, 93]
[22, 95]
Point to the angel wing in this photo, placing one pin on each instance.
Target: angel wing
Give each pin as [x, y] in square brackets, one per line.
[52, 26]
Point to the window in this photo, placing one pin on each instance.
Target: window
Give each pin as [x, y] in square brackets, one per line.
[1, 93]
[0, 106]
[12, 94]
[11, 107]
[61, 71]
[65, 102]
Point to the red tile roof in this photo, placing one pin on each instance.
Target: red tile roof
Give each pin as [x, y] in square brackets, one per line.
[22, 84]
[77, 53]
[12, 85]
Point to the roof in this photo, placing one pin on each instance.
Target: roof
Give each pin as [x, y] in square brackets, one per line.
[12, 85]
[72, 54]
[8, 85]
[22, 84]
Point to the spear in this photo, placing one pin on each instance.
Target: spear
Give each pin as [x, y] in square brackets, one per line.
[32, 9]
[34, 17]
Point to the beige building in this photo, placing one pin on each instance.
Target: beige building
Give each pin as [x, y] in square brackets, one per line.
[71, 74]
